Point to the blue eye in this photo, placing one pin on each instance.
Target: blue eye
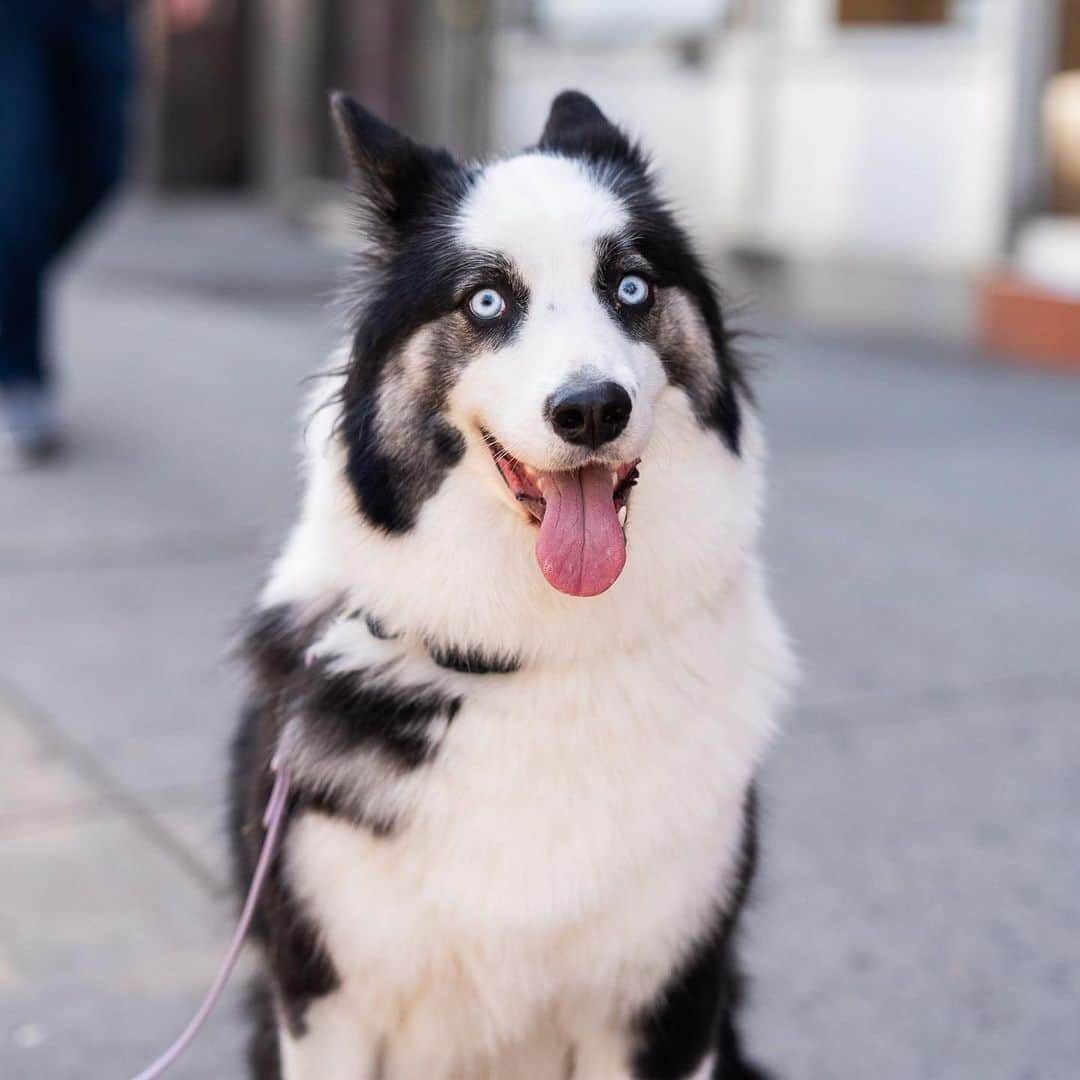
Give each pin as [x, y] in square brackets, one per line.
[633, 289]
[486, 304]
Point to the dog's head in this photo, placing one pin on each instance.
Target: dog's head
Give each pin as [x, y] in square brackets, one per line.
[530, 314]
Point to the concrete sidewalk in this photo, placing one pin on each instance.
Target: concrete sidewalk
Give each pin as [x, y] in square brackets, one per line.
[919, 909]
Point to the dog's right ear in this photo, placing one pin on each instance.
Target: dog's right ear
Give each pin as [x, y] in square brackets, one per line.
[392, 174]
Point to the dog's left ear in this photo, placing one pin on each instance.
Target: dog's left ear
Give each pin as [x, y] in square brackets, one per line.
[393, 175]
[576, 127]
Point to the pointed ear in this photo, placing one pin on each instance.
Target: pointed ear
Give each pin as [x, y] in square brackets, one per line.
[572, 111]
[576, 126]
[392, 173]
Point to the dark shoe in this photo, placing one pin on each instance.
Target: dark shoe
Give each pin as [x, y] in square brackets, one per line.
[31, 421]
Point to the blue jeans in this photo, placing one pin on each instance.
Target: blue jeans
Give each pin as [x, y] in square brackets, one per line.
[65, 70]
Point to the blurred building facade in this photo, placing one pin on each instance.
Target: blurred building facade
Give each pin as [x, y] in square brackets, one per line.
[242, 100]
[900, 131]
[816, 129]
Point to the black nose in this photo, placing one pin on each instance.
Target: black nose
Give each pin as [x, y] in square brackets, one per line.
[590, 414]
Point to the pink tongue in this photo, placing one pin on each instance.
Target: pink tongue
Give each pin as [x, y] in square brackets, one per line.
[581, 550]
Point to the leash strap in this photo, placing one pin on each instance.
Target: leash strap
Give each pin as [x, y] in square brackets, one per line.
[273, 821]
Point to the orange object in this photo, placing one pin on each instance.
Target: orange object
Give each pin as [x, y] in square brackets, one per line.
[1030, 323]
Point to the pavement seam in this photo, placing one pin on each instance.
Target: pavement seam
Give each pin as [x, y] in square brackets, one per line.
[127, 805]
[94, 808]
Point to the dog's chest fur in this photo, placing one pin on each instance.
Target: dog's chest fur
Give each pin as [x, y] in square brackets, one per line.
[574, 832]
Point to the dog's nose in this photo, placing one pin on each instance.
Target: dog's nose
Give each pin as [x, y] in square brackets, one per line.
[590, 415]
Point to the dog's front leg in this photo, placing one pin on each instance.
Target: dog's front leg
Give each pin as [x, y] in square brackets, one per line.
[331, 1044]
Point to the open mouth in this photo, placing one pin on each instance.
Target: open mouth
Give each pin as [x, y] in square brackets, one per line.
[581, 513]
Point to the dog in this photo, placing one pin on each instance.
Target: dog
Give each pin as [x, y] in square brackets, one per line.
[518, 652]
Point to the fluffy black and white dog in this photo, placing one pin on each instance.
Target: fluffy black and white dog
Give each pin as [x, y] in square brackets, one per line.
[518, 652]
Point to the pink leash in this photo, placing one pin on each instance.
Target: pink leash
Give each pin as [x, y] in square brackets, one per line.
[273, 820]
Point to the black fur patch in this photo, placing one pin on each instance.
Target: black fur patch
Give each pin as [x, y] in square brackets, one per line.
[274, 645]
[264, 1054]
[473, 661]
[356, 710]
[667, 248]
[672, 262]
[299, 966]
[390, 490]
[695, 1013]
[413, 273]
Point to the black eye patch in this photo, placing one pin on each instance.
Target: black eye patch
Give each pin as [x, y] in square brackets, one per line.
[480, 271]
[491, 271]
[617, 257]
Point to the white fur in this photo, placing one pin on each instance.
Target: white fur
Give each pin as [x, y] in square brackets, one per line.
[583, 815]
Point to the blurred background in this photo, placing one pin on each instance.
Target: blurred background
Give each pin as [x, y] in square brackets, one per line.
[889, 193]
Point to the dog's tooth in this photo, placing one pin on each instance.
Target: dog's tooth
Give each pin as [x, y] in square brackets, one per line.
[614, 478]
[622, 515]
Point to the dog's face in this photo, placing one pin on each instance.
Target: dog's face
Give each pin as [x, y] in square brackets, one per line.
[530, 313]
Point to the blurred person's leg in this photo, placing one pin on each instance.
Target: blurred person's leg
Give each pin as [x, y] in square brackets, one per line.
[92, 77]
[65, 66]
[29, 188]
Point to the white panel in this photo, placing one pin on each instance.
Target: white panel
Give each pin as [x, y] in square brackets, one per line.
[629, 18]
[884, 147]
